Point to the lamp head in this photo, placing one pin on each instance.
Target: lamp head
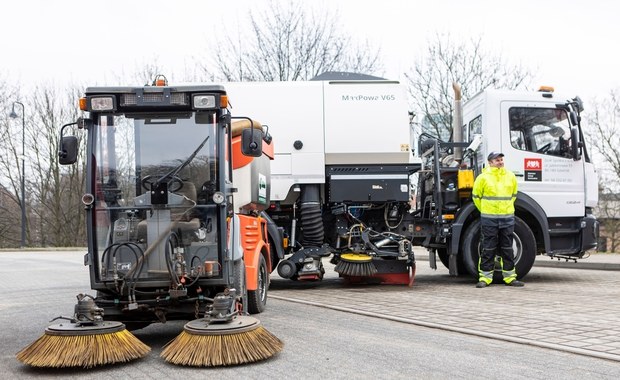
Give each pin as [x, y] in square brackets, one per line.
[13, 115]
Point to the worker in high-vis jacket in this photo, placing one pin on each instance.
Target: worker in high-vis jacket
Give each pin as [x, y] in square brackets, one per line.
[494, 194]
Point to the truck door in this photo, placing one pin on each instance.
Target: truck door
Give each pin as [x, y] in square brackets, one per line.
[535, 140]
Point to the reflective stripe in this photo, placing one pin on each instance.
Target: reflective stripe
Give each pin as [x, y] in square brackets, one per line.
[497, 216]
[509, 278]
[509, 275]
[496, 198]
[486, 277]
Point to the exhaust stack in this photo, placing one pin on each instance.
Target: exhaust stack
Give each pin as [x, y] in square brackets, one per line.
[457, 122]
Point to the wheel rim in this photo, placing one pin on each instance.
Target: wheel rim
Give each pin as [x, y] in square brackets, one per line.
[262, 288]
[517, 248]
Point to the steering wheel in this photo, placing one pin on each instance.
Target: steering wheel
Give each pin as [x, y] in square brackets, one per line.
[544, 148]
[174, 182]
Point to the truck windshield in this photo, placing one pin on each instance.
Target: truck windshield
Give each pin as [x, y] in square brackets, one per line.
[152, 176]
[132, 153]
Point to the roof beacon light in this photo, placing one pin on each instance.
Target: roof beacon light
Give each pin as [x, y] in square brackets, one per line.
[545, 89]
[160, 81]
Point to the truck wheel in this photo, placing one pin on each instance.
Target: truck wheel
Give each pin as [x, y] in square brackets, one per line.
[257, 299]
[445, 260]
[131, 326]
[523, 246]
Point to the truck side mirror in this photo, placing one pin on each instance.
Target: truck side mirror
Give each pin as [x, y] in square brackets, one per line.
[252, 142]
[575, 144]
[68, 151]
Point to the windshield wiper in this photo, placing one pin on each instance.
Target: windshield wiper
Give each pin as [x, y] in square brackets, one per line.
[189, 159]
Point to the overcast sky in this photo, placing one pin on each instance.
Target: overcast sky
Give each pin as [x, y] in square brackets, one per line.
[570, 44]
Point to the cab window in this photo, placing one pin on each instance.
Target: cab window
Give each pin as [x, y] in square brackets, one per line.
[540, 130]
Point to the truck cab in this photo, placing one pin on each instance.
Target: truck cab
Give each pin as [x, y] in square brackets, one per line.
[541, 136]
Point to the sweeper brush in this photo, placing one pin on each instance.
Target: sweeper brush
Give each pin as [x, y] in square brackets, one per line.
[207, 344]
[83, 341]
[356, 265]
[74, 345]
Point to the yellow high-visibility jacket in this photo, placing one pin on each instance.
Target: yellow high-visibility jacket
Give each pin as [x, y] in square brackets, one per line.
[495, 192]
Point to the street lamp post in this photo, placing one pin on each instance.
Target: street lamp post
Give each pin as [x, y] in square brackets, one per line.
[22, 203]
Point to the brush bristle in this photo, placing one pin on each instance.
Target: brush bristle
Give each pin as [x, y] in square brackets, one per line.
[59, 351]
[221, 350]
[356, 269]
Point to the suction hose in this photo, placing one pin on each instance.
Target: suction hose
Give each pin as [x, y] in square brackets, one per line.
[310, 216]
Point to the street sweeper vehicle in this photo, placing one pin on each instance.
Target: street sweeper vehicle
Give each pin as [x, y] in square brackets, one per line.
[346, 184]
[175, 189]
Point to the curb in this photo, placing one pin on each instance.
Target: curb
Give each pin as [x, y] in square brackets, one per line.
[555, 263]
[541, 261]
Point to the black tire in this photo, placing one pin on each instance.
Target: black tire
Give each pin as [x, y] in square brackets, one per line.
[442, 253]
[131, 326]
[524, 248]
[287, 269]
[257, 299]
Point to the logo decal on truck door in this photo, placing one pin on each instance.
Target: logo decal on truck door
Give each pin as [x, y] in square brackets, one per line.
[262, 188]
[533, 169]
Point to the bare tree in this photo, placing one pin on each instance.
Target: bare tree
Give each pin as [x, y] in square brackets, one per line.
[466, 63]
[10, 163]
[9, 213]
[603, 121]
[145, 73]
[56, 209]
[608, 214]
[287, 43]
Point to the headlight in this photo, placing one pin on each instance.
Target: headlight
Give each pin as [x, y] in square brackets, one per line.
[202, 102]
[102, 103]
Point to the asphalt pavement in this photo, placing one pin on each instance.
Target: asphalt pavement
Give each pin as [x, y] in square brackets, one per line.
[564, 306]
[446, 328]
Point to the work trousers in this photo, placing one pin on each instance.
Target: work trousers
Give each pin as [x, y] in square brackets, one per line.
[497, 241]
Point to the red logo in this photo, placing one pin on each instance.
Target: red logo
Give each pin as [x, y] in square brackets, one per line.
[533, 164]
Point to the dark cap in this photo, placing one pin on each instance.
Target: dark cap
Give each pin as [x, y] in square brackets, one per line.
[493, 155]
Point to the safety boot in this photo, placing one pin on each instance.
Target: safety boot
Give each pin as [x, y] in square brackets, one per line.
[516, 283]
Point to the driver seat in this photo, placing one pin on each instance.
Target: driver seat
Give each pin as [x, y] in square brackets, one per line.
[185, 220]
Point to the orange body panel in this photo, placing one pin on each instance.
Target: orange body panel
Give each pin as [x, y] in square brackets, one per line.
[239, 160]
[254, 242]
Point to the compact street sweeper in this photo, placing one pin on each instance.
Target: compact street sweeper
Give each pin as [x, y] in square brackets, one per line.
[175, 193]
